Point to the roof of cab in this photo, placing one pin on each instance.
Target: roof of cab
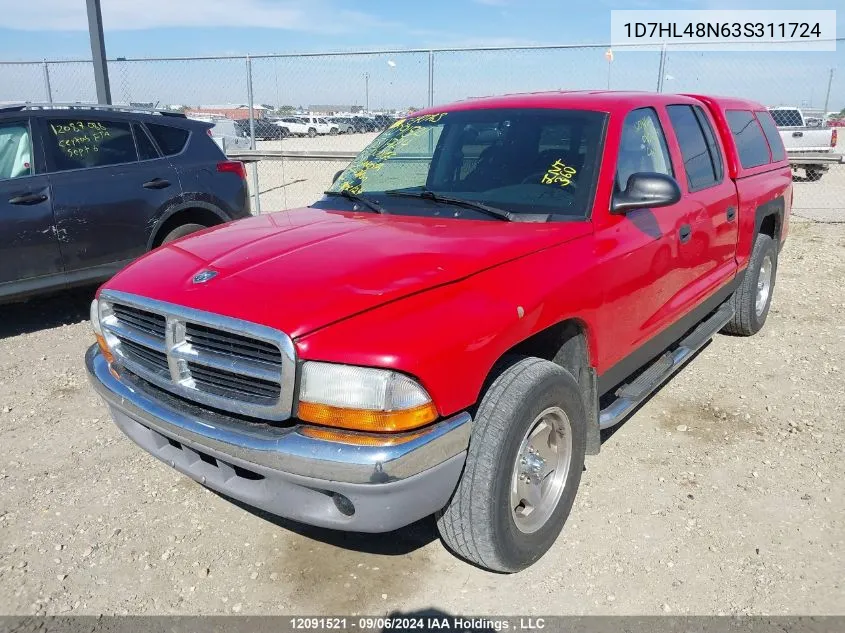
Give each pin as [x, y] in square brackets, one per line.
[729, 103]
[601, 100]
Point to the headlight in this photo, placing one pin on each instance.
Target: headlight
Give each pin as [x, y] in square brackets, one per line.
[362, 398]
[98, 331]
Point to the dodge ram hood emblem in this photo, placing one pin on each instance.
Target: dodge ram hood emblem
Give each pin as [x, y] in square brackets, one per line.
[204, 276]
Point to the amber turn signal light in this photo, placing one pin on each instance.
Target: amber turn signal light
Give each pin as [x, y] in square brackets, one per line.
[101, 341]
[368, 420]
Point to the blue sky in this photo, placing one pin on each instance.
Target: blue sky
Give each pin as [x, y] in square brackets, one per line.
[57, 29]
[35, 29]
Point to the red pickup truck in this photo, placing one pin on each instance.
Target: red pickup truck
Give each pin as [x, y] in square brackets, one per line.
[447, 331]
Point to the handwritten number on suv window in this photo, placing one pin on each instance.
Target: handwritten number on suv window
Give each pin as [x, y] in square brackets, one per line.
[78, 139]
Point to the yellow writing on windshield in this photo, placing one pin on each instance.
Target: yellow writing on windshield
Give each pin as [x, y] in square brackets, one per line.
[645, 126]
[559, 174]
[402, 133]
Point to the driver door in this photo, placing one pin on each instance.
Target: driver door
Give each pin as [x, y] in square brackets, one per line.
[643, 272]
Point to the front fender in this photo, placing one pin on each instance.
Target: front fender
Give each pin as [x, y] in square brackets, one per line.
[451, 336]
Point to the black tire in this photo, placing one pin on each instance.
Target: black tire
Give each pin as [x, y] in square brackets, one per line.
[181, 231]
[284, 132]
[747, 320]
[312, 132]
[478, 523]
[814, 174]
[333, 131]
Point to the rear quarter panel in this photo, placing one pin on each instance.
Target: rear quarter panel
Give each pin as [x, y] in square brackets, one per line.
[758, 187]
[196, 166]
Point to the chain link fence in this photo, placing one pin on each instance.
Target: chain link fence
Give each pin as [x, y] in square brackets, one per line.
[370, 83]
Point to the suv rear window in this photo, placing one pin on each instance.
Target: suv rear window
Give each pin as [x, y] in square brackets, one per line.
[171, 140]
[83, 143]
[772, 135]
[750, 140]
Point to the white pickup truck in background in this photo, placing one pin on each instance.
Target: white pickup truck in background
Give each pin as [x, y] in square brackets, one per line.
[807, 141]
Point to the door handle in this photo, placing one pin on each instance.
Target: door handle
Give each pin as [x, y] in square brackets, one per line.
[684, 233]
[797, 134]
[28, 198]
[156, 183]
[731, 213]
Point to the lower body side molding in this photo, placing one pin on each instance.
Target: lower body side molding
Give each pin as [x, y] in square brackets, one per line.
[634, 393]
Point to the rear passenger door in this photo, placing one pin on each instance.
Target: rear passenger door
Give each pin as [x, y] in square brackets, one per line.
[109, 184]
[29, 252]
[710, 203]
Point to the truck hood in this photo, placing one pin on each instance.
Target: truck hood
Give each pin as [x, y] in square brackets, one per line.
[300, 270]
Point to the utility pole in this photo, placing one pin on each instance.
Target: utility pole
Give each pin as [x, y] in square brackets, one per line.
[98, 51]
[366, 92]
[827, 96]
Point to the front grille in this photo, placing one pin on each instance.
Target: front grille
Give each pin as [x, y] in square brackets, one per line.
[151, 359]
[231, 385]
[206, 338]
[148, 322]
[224, 363]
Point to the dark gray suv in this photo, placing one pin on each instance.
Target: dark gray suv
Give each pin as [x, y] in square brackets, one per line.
[86, 189]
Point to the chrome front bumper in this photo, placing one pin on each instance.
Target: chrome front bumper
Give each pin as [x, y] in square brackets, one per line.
[283, 471]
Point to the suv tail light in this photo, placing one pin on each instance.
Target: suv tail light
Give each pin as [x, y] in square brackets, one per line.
[833, 137]
[234, 167]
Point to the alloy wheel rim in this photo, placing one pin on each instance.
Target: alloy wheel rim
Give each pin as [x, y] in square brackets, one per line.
[541, 470]
[764, 285]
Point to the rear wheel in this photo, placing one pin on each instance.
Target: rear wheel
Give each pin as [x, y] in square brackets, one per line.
[523, 468]
[754, 296]
[181, 231]
[814, 174]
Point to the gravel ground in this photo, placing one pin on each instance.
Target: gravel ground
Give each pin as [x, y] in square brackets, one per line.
[722, 495]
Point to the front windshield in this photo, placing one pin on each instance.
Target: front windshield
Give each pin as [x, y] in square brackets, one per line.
[532, 161]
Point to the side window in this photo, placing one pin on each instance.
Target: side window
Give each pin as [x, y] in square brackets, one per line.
[750, 140]
[696, 152]
[772, 135]
[171, 140]
[146, 149]
[643, 147]
[15, 151]
[81, 143]
[712, 145]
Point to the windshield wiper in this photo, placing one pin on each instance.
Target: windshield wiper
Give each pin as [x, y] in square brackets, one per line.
[372, 205]
[494, 212]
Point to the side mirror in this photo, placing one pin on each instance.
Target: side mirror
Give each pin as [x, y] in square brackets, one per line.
[646, 190]
[337, 175]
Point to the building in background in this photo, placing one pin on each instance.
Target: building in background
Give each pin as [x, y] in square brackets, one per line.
[334, 109]
[231, 111]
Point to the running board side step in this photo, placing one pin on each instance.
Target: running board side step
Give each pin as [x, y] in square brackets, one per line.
[632, 394]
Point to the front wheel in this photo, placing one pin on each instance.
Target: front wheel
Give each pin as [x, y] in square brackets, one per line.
[814, 174]
[754, 296]
[312, 132]
[333, 131]
[523, 468]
